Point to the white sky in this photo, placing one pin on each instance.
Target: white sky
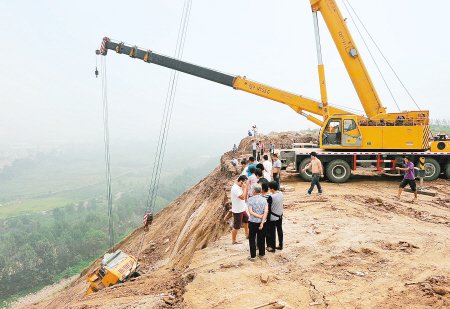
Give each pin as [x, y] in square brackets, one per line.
[48, 92]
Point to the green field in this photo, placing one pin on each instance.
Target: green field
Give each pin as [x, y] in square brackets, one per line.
[32, 206]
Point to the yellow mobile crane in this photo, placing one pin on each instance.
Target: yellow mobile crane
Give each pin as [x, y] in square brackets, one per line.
[347, 141]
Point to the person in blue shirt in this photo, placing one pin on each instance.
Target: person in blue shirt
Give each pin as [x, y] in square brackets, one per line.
[251, 163]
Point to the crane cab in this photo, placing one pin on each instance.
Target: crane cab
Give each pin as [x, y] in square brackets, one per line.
[356, 132]
[341, 132]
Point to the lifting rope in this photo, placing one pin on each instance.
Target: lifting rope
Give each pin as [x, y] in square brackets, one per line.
[107, 153]
[163, 133]
[371, 56]
[346, 2]
[165, 123]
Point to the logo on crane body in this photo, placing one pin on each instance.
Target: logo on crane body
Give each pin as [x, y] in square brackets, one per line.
[261, 89]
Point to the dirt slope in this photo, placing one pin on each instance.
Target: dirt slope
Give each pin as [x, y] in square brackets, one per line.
[186, 225]
[354, 247]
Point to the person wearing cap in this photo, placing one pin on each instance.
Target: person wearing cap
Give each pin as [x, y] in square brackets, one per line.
[408, 179]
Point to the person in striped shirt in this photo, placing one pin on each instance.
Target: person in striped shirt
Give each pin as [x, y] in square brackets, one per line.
[258, 210]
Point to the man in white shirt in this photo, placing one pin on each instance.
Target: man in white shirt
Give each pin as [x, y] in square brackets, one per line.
[267, 168]
[254, 149]
[239, 192]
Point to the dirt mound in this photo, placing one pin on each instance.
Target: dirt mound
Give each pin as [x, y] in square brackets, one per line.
[280, 140]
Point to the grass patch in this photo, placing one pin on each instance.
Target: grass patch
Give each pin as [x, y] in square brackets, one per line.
[32, 206]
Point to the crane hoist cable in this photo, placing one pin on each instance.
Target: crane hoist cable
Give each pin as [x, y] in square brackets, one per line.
[165, 123]
[107, 152]
[371, 55]
[381, 53]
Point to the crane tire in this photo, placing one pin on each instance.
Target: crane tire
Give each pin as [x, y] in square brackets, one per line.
[338, 171]
[432, 169]
[447, 170]
[306, 176]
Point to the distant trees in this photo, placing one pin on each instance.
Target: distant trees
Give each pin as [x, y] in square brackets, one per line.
[41, 248]
[440, 126]
[35, 249]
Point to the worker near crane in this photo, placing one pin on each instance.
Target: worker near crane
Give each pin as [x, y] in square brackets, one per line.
[408, 179]
[239, 192]
[317, 172]
[276, 168]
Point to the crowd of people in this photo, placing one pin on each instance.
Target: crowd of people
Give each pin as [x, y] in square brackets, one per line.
[257, 204]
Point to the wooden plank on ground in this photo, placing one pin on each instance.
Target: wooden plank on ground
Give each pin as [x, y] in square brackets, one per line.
[423, 192]
[271, 305]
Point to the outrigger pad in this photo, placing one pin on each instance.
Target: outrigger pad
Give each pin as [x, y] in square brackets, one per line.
[423, 192]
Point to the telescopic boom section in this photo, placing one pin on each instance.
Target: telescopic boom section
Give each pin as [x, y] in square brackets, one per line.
[350, 56]
[298, 103]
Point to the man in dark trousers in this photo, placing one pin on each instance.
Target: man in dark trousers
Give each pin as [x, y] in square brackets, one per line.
[275, 218]
[238, 196]
[258, 210]
[408, 179]
[317, 171]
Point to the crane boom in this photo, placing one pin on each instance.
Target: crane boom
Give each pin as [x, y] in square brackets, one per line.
[354, 64]
[298, 103]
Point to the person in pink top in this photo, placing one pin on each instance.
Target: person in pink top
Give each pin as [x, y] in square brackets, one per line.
[317, 172]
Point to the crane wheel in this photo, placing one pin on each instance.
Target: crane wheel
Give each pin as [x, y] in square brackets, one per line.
[306, 175]
[447, 170]
[432, 169]
[338, 171]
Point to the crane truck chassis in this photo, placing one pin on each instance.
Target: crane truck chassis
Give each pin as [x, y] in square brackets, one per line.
[338, 165]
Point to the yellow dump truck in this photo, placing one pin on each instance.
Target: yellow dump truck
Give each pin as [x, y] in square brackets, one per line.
[116, 267]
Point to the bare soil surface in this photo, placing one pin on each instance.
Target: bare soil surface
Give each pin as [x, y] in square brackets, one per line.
[355, 246]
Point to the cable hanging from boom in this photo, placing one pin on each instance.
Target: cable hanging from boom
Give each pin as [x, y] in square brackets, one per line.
[165, 122]
[107, 152]
[379, 50]
[372, 57]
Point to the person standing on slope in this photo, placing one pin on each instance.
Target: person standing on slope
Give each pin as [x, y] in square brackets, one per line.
[258, 209]
[239, 192]
[254, 148]
[267, 168]
[275, 226]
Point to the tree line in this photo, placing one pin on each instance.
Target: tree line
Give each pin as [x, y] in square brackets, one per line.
[39, 249]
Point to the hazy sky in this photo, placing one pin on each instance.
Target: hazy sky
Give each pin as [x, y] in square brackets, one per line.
[48, 92]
